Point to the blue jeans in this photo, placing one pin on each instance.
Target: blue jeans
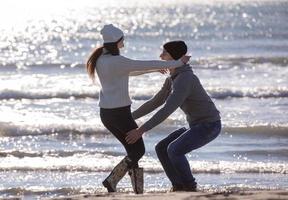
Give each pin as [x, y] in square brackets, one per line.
[172, 149]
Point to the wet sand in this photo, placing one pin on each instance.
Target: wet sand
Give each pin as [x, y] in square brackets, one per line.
[243, 195]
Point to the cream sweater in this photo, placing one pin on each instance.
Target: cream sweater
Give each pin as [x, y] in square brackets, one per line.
[113, 73]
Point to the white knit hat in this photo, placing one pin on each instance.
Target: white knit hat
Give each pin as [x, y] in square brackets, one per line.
[111, 33]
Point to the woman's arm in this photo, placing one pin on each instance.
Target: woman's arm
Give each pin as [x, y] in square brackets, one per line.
[138, 73]
[156, 101]
[130, 65]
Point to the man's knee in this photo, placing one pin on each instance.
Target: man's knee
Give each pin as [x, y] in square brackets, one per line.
[161, 147]
[172, 150]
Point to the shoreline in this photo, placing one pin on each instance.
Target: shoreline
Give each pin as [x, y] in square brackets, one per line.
[234, 195]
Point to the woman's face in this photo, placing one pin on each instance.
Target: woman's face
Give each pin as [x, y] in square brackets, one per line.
[165, 55]
[120, 44]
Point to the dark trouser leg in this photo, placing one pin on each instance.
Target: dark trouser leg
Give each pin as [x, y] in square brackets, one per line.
[161, 150]
[194, 138]
[119, 121]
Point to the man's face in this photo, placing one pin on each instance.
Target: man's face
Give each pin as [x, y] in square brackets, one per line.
[165, 55]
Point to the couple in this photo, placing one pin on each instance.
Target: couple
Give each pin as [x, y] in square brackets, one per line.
[182, 89]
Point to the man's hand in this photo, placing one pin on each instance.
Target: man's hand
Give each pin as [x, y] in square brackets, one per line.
[133, 136]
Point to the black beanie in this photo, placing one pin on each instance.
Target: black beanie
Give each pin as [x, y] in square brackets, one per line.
[176, 49]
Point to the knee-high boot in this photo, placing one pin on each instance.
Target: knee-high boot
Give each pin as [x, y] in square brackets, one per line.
[116, 175]
[136, 175]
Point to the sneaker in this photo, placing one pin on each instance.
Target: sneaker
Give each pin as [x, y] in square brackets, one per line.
[190, 187]
[177, 188]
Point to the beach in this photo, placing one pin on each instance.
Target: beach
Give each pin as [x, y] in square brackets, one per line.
[243, 195]
[52, 141]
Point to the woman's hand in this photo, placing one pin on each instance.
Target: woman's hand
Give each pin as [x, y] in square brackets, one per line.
[133, 136]
[163, 71]
[185, 59]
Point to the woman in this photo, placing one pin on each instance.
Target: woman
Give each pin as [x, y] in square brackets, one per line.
[201, 114]
[113, 71]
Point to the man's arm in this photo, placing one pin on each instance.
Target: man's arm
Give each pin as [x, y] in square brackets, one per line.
[156, 101]
[181, 90]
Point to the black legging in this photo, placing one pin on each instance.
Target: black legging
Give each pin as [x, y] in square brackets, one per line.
[119, 121]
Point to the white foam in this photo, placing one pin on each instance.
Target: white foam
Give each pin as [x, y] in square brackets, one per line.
[99, 162]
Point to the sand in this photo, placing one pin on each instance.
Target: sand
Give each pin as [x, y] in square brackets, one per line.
[245, 195]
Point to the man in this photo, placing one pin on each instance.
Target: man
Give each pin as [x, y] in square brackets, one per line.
[201, 114]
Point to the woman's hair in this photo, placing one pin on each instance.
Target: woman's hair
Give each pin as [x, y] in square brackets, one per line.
[111, 48]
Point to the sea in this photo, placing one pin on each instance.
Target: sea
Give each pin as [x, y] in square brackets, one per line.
[52, 141]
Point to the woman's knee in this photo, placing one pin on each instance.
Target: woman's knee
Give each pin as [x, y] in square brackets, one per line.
[136, 156]
[136, 151]
[142, 151]
[139, 151]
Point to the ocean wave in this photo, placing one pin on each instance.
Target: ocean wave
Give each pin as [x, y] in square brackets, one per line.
[58, 153]
[256, 130]
[11, 130]
[241, 61]
[22, 154]
[17, 192]
[280, 152]
[14, 94]
[223, 93]
[151, 166]
[261, 152]
[216, 93]
[208, 62]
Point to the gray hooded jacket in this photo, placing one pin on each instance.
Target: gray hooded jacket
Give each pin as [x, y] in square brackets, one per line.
[186, 93]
